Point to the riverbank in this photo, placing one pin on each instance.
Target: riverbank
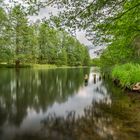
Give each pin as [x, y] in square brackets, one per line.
[126, 75]
[4, 65]
[37, 66]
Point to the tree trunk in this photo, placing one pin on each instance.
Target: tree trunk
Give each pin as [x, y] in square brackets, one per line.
[17, 63]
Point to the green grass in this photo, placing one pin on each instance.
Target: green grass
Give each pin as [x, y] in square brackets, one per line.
[127, 74]
[37, 66]
[43, 66]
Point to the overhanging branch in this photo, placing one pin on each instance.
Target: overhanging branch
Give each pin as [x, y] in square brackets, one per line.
[125, 12]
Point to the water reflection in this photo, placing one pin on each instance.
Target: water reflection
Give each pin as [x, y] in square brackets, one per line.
[56, 104]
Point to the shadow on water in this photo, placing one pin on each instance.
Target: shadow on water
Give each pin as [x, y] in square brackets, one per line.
[57, 105]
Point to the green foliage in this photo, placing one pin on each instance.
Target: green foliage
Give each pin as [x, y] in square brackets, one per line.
[86, 60]
[125, 44]
[127, 74]
[115, 23]
[117, 54]
[38, 42]
[58, 47]
[103, 20]
[95, 62]
[110, 22]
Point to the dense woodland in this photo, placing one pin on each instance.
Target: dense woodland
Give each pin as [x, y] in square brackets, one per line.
[23, 42]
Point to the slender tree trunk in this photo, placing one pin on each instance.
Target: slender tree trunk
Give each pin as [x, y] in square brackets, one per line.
[17, 61]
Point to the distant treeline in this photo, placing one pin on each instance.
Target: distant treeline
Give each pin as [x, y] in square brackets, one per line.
[23, 42]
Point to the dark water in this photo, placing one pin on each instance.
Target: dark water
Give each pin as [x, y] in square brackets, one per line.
[57, 104]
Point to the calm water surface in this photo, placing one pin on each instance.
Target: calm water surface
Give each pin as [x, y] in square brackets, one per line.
[57, 104]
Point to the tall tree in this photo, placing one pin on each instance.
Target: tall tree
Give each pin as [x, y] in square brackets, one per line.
[19, 30]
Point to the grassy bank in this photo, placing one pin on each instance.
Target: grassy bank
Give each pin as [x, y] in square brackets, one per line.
[4, 65]
[126, 75]
[37, 66]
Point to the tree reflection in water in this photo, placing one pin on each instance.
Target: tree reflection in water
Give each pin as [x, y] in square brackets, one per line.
[24, 90]
[101, 121]
[27, 94]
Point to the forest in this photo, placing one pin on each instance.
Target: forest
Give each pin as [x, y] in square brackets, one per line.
[25, 42]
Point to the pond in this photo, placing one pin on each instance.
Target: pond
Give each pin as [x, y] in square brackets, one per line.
[58, 104]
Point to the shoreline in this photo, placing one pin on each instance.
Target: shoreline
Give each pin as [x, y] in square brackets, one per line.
[38, 66]
[125, 76]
